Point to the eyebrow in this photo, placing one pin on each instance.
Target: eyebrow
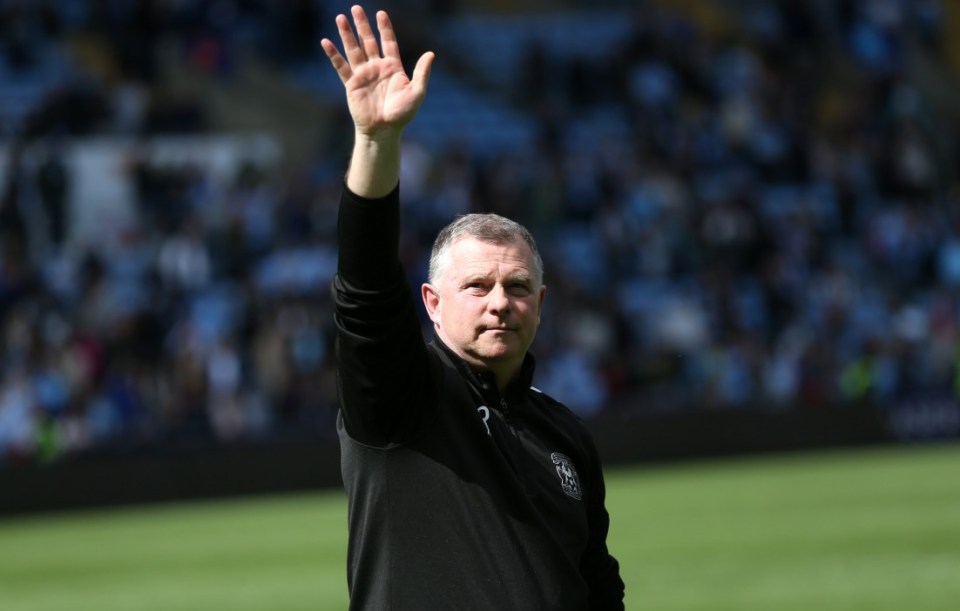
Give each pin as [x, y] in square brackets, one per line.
[519, 277]
[525, 278]
[474, 278]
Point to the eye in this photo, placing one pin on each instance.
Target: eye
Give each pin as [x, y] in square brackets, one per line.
[519, 288]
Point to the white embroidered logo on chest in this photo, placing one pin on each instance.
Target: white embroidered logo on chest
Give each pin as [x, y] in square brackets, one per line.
[569, 480]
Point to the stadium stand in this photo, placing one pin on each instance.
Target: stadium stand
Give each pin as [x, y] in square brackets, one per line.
[747, 207]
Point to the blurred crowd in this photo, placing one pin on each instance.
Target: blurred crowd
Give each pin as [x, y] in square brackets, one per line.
[771, 222]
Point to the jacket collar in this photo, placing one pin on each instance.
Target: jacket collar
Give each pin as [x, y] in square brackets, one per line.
[484, 381]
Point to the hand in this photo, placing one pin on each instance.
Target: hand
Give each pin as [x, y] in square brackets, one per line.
[381, 98]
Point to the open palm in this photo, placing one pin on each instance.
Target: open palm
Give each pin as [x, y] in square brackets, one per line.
[380, 96]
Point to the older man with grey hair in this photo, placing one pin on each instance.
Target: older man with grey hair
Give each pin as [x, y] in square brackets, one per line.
[468, 488]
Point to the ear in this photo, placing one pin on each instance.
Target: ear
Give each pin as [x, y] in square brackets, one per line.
[543, 294]
[431, 301]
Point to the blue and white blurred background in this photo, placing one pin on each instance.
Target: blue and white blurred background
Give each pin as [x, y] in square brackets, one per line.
[748, 209]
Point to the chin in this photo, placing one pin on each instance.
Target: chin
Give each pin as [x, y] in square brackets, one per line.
[499, 353]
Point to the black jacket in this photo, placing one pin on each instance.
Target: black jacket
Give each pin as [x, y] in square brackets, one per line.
[459, 497]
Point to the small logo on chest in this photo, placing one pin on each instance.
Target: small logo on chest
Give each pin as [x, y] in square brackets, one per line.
[569, 480]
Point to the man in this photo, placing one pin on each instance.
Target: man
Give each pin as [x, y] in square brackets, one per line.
[467, 487]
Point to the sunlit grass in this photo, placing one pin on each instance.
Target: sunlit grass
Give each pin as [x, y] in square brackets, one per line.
[858, 530]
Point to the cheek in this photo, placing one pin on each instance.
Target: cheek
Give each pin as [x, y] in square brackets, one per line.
[460, 312]
[528, 308]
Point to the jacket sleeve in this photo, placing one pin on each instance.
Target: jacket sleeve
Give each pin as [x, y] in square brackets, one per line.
[380, 350]
[598, 567]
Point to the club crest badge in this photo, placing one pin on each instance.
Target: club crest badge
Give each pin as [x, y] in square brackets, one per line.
[569, 480]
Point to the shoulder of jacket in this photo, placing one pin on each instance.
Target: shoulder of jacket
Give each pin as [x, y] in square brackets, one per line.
[545, 401]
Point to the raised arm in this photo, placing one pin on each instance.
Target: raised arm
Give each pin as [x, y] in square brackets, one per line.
[381, 98]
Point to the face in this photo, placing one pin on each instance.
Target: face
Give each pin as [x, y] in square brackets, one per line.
[486, 304]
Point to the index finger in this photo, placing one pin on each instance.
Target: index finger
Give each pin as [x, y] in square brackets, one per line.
[388, 39]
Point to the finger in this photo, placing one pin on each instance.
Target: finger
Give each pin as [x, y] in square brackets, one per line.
[340, 64]
[421, 72]
[388, 37]
[367, 38]
[350, 45]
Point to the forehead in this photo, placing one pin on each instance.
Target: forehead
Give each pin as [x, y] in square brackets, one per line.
[469, 255]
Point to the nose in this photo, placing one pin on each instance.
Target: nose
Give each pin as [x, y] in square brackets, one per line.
[498, 301]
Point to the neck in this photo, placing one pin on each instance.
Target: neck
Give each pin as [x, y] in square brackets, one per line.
[503, 372]
[503, 378]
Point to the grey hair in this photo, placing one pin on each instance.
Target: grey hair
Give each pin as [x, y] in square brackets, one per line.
[490, 228]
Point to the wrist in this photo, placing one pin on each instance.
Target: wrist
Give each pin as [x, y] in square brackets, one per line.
[387, 138]
[375, 163]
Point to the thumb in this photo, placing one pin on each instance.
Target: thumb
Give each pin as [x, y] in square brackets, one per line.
[421, 72]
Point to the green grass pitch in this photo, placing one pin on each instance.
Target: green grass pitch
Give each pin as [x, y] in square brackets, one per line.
[862, 530]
